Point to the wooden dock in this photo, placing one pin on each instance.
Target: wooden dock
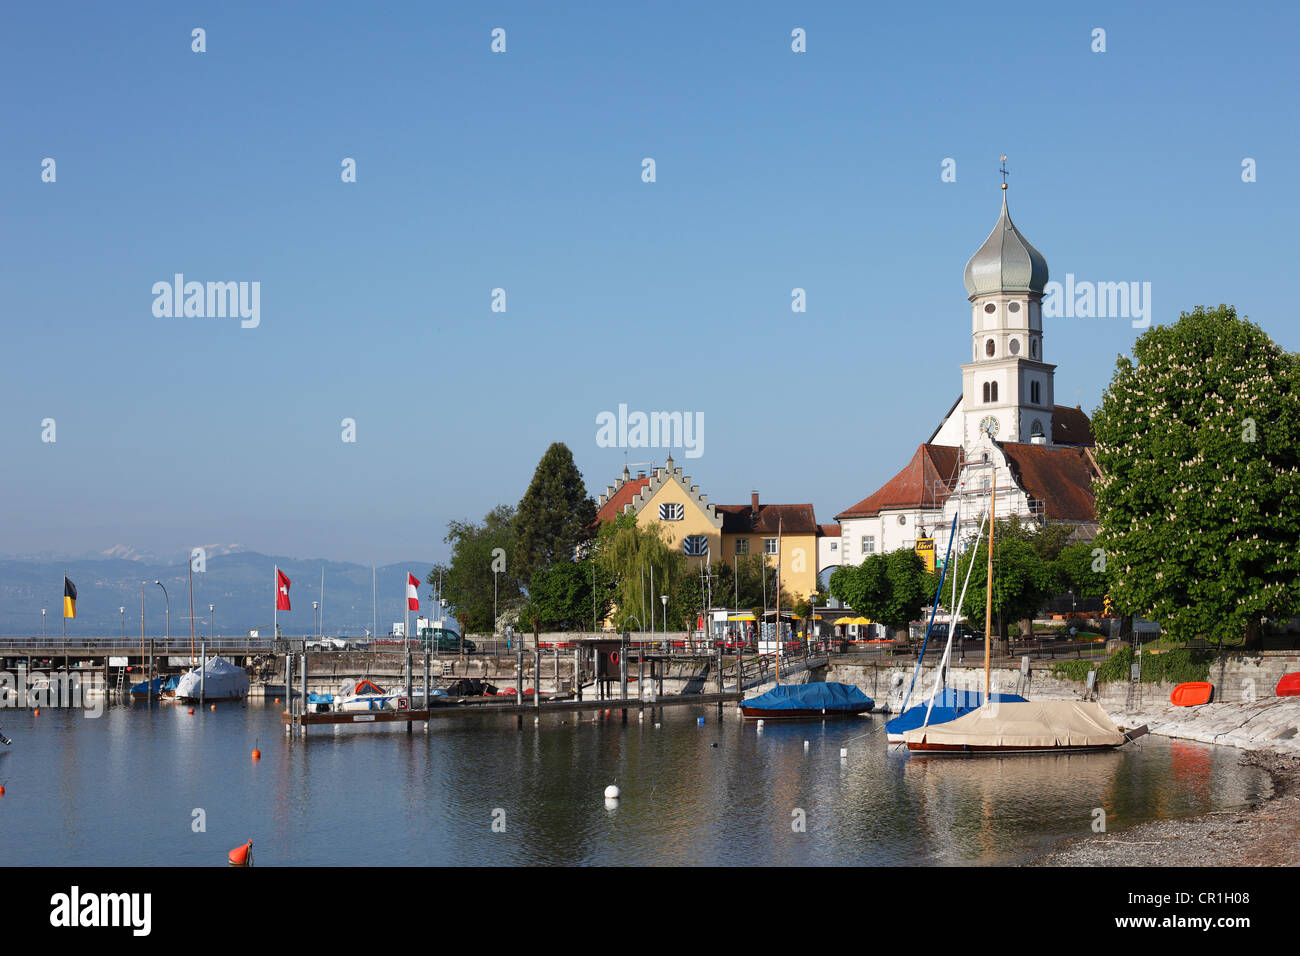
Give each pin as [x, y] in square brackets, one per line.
[462, 708]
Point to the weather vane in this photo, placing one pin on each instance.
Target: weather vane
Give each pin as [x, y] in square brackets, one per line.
[1004, 172]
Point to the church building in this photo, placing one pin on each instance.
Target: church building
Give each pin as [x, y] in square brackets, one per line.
[1004, 432]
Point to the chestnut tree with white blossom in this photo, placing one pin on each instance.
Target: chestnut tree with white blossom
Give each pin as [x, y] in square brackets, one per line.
[1198, 442]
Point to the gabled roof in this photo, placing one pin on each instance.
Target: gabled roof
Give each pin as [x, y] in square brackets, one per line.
[792, 519]
[1070, 426]
[618, 497]
[829, 530]
[926, 482]
[1059, 477]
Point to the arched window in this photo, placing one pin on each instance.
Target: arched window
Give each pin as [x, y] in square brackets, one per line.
[995, 391]
[986, 391]
[989, 348]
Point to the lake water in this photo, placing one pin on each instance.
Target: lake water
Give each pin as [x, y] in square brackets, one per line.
[123, 789]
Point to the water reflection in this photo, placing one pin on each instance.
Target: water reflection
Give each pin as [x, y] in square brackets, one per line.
[122, 789]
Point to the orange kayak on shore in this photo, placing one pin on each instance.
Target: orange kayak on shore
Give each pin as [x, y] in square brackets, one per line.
[1192, 693]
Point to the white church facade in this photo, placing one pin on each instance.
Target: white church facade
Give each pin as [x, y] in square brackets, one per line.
[1004, 432]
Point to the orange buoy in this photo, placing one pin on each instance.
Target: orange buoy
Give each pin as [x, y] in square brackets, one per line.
[277, 700]
[191, 710]
[37, 712]
[214, 707]
[257, 755]
[2, 791]
[241, 855]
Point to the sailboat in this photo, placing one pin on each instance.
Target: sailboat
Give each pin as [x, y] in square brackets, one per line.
[945, 703]
[1017, 727]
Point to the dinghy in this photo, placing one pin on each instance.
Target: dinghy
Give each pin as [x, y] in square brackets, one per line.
[1192, 694]
[945, 706]
[1043, 726]
[222, 680]
[814, 700]
[1289, 685]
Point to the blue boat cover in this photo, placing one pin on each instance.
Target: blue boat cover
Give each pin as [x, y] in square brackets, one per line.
[314, 698]
[816, 696]
[948, 705]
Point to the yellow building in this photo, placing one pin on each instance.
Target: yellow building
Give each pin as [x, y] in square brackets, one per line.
[708, 532]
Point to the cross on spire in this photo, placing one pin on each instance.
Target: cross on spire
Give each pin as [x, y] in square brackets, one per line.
[1005, 173]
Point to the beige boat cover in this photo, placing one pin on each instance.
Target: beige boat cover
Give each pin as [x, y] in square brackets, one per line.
[1038, 723]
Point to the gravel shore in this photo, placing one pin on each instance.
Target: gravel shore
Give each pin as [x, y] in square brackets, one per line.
[1263, 835]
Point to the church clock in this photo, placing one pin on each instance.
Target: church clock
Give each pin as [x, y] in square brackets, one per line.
[989, 426]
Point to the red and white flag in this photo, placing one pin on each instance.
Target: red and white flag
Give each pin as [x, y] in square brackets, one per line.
[281, 591]
[412, 592]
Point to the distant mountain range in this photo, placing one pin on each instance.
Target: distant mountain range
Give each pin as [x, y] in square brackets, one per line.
[240, 583]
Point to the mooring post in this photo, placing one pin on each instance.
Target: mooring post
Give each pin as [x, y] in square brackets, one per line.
[622, 673]
[537, 680]
[555, 651]
[519, 677]
[409, 671]
[203, 656]
[302, 711]
[577, 672]
[428, 699]
[288, 683]
[148, 686]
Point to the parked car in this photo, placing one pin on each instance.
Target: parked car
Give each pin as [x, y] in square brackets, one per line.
[446, 641]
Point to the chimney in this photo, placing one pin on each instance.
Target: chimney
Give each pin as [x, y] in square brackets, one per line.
[641, 474]
[753, 503]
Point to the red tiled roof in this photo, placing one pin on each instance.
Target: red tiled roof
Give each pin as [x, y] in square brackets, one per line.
[793, 519]
[1070, 426]
[612, 508]
[829, 530]
[924, 483]
[1059, 477]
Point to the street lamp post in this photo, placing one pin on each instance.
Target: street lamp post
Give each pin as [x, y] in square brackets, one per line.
[664, 599]
[315, 606]
[167, 610]
[122, 611]
[211, 608]
[42, 624]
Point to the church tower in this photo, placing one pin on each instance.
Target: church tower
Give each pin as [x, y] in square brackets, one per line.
[1006, 386]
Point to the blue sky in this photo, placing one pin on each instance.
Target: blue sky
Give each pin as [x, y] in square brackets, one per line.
[522, 171]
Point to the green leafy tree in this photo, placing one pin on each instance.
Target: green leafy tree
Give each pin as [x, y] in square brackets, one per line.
[890, 589]
[555, 516]
[1022, 579]
[562, 596]
[467, 579]
[1198, 442]
[1081, 568]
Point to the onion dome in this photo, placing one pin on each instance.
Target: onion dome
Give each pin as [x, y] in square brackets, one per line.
[1006, 262]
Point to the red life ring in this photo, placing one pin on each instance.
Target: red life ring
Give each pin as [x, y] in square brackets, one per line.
[613, 657]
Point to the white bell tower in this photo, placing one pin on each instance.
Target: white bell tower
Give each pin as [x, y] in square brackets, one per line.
[1007, 386]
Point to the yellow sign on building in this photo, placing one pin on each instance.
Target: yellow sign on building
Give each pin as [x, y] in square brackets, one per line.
[925, 548]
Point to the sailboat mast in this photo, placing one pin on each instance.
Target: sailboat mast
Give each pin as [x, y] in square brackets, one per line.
[191, 610]
[988, 596]
[778, 600]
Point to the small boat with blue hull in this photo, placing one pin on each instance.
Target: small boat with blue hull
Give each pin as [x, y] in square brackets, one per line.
[949, 704]
[162, 686]
[807, 701]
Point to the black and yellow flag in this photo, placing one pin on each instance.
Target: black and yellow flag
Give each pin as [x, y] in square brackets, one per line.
[69, 598]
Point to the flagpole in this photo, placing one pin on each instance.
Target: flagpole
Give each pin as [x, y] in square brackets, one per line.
[406, 621]
[275, 612]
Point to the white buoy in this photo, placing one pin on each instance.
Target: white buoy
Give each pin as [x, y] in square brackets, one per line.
[760, 721]
[805, 745]
[536, 721]
[611, 792]
[844, 752]
[657, 726]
